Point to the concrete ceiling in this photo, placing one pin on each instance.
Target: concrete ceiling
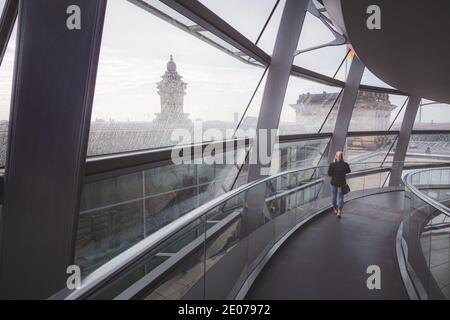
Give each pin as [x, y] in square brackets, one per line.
[411, 51]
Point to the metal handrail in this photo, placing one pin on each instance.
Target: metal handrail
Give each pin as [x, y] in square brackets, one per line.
[129, 257]
[408, 183]
[107, 164]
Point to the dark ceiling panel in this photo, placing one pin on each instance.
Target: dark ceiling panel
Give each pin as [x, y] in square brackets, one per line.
[411, 50]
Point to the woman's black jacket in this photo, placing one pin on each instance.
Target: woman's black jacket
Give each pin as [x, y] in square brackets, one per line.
[337, 172]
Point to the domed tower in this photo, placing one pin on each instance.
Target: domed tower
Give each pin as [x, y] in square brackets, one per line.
[172, 90]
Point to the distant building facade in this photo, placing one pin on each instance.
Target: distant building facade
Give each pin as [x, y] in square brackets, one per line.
[372, 112]
[121, 136]
[172, 90]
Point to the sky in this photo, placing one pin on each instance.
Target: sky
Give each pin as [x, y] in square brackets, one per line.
[136, 46]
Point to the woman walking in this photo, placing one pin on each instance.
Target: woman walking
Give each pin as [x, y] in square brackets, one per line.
[337, 171]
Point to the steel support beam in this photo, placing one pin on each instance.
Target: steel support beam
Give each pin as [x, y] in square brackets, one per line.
[54, 80]
[201, 15]
[403, 140]
[345, 112]
[277, 79]
[279, 70]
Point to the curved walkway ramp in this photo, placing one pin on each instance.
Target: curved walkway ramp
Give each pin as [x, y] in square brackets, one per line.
[328, 257]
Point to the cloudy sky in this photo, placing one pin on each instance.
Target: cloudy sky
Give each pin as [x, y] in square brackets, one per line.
[136, 47]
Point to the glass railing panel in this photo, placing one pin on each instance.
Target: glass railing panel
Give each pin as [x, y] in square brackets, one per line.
[105, 233]
[356, 167]
[317, 188]
[445, 175]
[300, 212]
[285, 218]
[426, 231]
[371, 182]
[278, 204]
[225, 249]
[408, 206]
[356, 185]
[185, 281]
[309, 196]
[324, 196]
[110, 221]
[169, 271]
[320, 172]
[439, 258]
[226, 240]
[420, 217]
[261, 226]
[306, 175]
[439, 232]
[118, 212]
[425, 178]
[415, 179]
[435, 176]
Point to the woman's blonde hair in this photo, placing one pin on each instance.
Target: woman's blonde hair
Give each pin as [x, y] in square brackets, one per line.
[339, 156]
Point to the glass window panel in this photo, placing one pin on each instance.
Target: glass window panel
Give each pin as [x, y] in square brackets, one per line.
[142, 96]
[220, 41]
[177, 19]
[242, 176]
[342, 73]
[368, 149]
[299, 154]
[314, 33]
[267, 40]
[2, 5]
[432, 116]
[6, 79]
[250, 120]
[370, 79]
[248, 17]
[170, 12]
[306, 106]
[374, 111]
[389, 157]
[325, 61]
[398, 113]
[429, 148]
